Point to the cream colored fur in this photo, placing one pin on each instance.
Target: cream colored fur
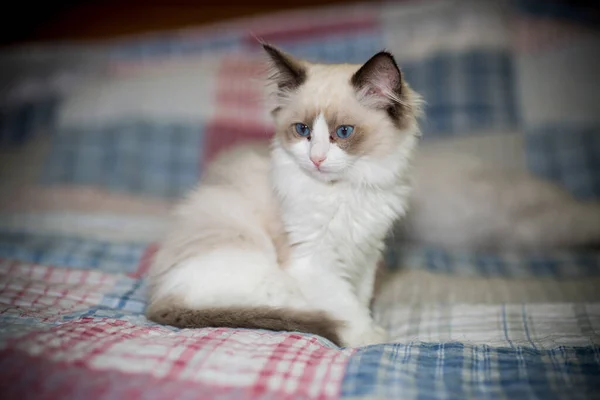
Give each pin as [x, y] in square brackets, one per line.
[461, 202]
[266, 227]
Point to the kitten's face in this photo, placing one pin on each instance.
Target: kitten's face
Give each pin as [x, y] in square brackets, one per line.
[336, 120]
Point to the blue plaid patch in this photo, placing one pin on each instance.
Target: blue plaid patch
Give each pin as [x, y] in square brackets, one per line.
[460, 371]
[349, 48]
[125, 258]
[465, 93]
[159, 159]
[568, 155]
[71, 252]
[174, 46]
[125, 301]
[576, 264]
[127, 295]
[21, 122]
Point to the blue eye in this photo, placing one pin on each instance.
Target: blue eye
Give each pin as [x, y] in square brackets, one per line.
[302, 129]
[343, 131]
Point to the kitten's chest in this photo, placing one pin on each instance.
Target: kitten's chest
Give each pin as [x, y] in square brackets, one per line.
[342, 217]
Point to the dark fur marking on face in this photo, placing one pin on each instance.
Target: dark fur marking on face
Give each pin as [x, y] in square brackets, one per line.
[289, 134]
[354, 144]
[398, 114]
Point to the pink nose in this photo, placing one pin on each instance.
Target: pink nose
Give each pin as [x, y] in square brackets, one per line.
[317, 160]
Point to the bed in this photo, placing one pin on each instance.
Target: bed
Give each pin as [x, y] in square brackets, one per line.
[98, 140]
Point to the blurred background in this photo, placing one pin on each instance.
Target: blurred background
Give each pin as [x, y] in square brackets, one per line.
[115, 107]
[110, 111]
[102, 19]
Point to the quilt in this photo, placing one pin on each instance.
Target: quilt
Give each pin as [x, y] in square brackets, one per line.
[98, 140]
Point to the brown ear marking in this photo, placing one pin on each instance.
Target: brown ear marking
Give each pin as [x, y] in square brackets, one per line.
[289, 73]
[381, 70]
[381, 63]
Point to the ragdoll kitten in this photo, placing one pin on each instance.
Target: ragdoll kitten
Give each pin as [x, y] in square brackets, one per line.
[288, 237]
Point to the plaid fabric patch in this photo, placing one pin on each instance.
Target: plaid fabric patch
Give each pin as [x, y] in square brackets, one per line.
[128, 295]
[563, 264]
[71, 309]
[46, 293]
[72, 332]
[147, 50]
[73, 252]
[146, 157]
[133, 259]
[537, 326]
[241, 113]
[465, 93]
[137, 359]
[346, 47]
[458, 371]
[561, 123]
[568, 155]
[20, 122]
[328, 24]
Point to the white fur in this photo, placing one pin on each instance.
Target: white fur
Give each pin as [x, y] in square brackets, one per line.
[326, 269]
[336, 233]
[335, 161]
[234, 199]
[201, 280]
[319, 145]
[222, 250]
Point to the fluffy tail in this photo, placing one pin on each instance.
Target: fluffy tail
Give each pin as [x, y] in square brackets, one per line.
[275, 319]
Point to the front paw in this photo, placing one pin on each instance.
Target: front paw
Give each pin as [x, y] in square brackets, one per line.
[373, 334]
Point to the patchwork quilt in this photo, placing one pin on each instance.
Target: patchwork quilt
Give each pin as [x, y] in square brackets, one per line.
[98, 141]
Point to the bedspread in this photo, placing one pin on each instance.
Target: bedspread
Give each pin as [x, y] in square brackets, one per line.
[97, 141]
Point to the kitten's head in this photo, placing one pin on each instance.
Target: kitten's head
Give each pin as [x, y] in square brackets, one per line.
[343, 121]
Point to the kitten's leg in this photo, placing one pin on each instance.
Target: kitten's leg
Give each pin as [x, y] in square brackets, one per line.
[366, 284]
[365, 288]
[327, 290]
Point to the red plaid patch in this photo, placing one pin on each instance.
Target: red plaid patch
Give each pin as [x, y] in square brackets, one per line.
[240, 112]
[538, 34]
[45, 292]
[308, 24]
[212, 361]
[318, 29]
[145, 261]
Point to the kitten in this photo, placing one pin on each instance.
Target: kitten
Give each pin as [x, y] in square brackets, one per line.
[288, 237]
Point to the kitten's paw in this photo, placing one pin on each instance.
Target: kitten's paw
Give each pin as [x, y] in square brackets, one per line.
[374, 334]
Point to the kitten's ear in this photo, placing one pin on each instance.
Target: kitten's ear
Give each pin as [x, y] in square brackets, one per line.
[288, 73]
[379, 81]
